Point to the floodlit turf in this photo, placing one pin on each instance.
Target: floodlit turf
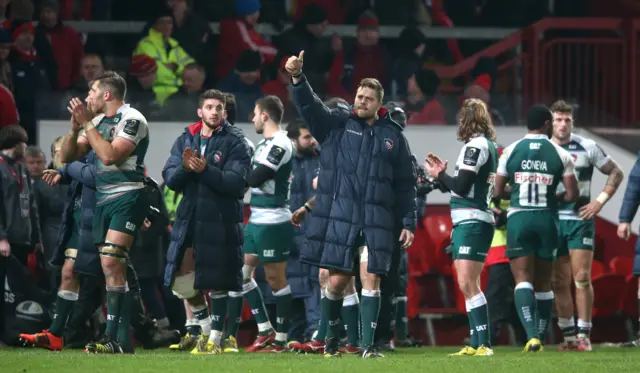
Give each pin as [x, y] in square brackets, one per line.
[507, 360]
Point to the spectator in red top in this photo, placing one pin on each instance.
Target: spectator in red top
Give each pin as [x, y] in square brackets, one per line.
[336, 10]
[8, 110]
[366, 59]
[239, 34]
[66, 44]
[423, 106]
[5, 49]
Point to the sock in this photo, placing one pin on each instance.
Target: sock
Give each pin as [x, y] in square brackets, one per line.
[64, 305]
[115, 297]
[321, 333]
[234, 313]
[584, 328]
[480, 316]
[254, 297]
[526, 306]
[124, 325]
[201, 313]
[192, 327]
[402, 322]
[350, 318]
[218, 314]
[284, 302]
[544, 307]
[568, 328]
[473, 335]
[331, 307]
[369, 310]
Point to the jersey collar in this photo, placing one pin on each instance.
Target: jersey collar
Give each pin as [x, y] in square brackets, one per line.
[536, 136]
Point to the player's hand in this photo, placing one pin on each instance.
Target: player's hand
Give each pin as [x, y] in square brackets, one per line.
[298, 216]
[434, 165]
[187, 154]
[294, 64]
[590, 210]
[624, 231]
[197, 164]
[51, 177]
[146, 224]
[406, 237]
[80, 112]
[5, 248]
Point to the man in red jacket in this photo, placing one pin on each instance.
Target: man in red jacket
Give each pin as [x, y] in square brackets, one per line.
[8, 110]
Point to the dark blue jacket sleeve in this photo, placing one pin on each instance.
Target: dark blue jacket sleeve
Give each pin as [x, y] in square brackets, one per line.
[320, 119]
[174, 175]
[82, 173]
[232, 178]
[631, 198]
[404, 185]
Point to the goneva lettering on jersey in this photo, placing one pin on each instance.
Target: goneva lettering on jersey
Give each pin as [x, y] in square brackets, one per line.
[528, 164]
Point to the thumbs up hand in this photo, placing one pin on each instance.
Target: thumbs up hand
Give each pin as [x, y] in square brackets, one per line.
[294, 65]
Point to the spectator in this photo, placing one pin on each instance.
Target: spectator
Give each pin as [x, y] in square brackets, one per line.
[244, 83]
[66, 44]
[335, 10]
[91, 67]
[5, 49]
[169, 55]
[35, 161]
[143, 72]
[366, 59]
[281, 87]
[186, 100]
[409, 59]
[193, 33]
[8, 110]
[239, 34]
[423, 105]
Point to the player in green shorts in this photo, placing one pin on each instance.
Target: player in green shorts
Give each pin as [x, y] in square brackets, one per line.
[533, 167]
[577, 229]
[119, 136]
[268, 236]
[471, 190]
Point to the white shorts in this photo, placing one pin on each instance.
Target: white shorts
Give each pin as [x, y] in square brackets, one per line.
[364, 254]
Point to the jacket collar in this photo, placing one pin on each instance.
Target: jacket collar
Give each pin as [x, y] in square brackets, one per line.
[195, 128]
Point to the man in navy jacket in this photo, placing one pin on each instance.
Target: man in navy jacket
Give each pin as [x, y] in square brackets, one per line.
[365, 197]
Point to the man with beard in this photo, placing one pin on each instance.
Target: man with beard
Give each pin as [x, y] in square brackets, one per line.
[209, 164]
[533, 167]
[366, 198]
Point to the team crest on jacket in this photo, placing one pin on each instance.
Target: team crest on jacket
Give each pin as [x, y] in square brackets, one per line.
[388, 143]
[217, 156]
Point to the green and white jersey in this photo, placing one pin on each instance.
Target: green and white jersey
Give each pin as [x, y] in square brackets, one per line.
[479, 155]
[586, 156]
[535, 166]
[270, 201]
[114, 180]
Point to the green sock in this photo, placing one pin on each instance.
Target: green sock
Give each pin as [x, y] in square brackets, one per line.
[284, 301]
[480, 316]
[402, 327]
[526, 307]
[259, 311]
[544, 306]
[369, 310]
[473, 335]
[331, 307]
[321, 333]
[350, 318]
[64, 305]
[115, 297]
[124, 324]
[218, 311]
[234, 313]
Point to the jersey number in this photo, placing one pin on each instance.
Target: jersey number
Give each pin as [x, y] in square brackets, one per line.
[533, 195]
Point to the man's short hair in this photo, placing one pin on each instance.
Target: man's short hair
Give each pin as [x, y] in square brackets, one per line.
[230, 107]
[34, 151]
[373, 84]
[562, 107]
[113, 82]
[333, 102]
[212, 94]
[272, 106]
[537, 116]
[11, 136]
[293, 129]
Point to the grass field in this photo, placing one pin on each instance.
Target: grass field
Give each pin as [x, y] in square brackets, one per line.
[506, 360]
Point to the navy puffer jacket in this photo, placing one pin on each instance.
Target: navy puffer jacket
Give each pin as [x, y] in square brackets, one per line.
[367, 183]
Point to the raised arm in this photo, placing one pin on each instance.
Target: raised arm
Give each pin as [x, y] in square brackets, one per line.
[174, 174]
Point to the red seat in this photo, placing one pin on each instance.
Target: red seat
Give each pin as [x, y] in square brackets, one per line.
[597, 269]
[608, 290]
[621, 265]
[629, 300]
[438, 228]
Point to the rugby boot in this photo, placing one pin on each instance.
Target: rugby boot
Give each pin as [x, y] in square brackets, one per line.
[311, 347]
[408, 343]
[108, 347]
[465, 351]
[484, 351]
[350, 349]
[187, 343]
[331, 348]
[274, 348]
[201, 345]
[211, 348]
[43, 339]
[533, 345]
[387, 346]
[230, 344]
[631, 344]
[261, 342]
[371, 352]
[566, 346]
[584, 344]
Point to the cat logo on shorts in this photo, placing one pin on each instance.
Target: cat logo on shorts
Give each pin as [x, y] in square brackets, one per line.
[217, 156]
[388, 143]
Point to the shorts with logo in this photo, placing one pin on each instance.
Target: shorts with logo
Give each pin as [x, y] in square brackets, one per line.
[271, 243]
[533, 233]
[575, 235]
[125, 214]
[471, 241]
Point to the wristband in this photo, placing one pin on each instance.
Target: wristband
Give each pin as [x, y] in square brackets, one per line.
[89, 126]
[306, 207]
[299, 74]
[603, 198]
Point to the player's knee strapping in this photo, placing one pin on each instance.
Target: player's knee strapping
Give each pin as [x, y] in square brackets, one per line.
[247, 273]
[111, 250]
[583, 284]
[183, 286]
[70, 254]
